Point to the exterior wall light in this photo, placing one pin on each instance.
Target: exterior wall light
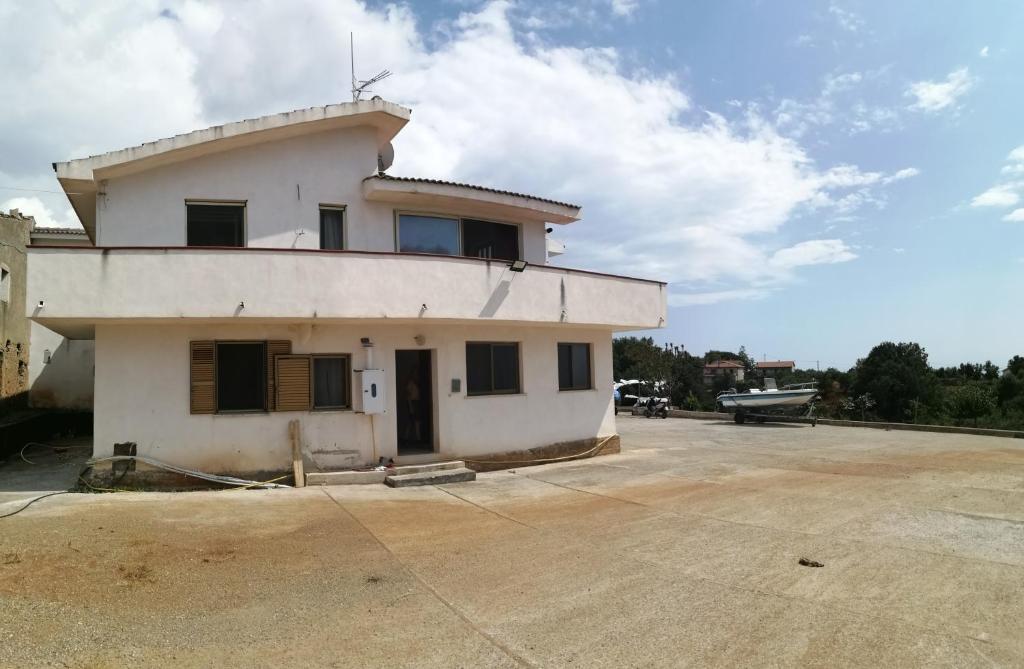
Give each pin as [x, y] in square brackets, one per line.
[40, 305]
[46, 357]
[518, 266]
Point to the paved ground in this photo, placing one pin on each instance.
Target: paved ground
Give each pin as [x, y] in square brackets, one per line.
[681, 551]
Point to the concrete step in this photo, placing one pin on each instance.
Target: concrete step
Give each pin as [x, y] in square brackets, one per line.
[345, 477]
[429, 467]
[431, 478]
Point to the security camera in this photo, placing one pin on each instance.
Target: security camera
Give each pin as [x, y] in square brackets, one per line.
[40, 304]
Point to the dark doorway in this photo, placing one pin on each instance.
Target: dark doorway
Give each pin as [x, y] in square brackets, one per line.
[415, 399]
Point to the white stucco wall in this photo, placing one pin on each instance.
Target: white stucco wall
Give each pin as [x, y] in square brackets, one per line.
[96, 284]
[142, 395]
[283, 183]
[66, 382]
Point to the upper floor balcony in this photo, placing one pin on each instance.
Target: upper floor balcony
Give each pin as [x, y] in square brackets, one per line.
[70, 290]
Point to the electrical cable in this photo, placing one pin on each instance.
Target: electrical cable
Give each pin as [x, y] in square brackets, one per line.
[214, 478]
[541, 461]
[34, 500]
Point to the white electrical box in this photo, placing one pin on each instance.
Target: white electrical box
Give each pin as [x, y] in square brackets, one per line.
[369, 395]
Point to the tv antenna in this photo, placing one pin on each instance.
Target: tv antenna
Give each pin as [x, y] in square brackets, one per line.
[360, 86]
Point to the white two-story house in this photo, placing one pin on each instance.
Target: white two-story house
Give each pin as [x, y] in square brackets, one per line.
[251, 274]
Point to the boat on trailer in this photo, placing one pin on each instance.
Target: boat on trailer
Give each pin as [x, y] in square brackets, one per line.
[760, 405]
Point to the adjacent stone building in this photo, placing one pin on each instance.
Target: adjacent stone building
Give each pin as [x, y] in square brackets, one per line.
[14, 326]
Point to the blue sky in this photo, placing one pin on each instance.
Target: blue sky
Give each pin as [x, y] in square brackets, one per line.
[811, 177]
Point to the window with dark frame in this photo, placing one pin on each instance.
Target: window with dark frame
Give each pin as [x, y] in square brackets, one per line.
[428, 234]
[331, 382]
[241, 374]
[574, 367]
[332, 228]
[454, 236]
[215, 224]
[484, 239]
[492, 368]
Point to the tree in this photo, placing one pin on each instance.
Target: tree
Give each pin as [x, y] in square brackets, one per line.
[970, 401]
[1016, 366]
[895, 374]
[639, 358]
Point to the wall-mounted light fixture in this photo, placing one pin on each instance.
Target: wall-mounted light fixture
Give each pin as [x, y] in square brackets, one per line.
[46, 357]
[420, 340]
[518, 266]
[40, 305]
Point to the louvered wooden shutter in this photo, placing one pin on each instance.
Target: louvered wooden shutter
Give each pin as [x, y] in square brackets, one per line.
[294, 392]
[275, 347]
[201, 377]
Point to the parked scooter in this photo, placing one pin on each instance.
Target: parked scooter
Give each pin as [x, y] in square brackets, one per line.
[656, 409]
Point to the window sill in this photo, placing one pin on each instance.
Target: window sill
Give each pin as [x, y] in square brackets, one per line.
[331, 410]
[486, 395]
[577, 390]
[243, 412]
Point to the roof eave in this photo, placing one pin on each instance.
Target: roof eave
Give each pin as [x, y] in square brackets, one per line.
[467, 200]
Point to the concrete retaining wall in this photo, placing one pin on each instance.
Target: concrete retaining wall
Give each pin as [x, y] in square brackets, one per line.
[568, 450]
[950, 429]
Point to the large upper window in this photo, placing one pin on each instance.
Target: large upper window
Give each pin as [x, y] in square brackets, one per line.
[332, 228]
[483, 239]
[454, 236]
[428, 234]
[574, 367]
[241, 376]
[492, 368]
[331, 382]
[221, 224]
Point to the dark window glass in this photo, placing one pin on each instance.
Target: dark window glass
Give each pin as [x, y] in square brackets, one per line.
[428, 234]
[332, 229]
[478, 368]
[482, 239]
[574, 367]
[492, 368]
[330, 382]
[216, 225]
[241, 376]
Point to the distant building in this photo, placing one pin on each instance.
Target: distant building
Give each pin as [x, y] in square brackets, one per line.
[772, 367]
[730, 368]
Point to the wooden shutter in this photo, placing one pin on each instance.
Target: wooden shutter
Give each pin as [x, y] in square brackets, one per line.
[201, 377]
[275, 347]
[294, 391]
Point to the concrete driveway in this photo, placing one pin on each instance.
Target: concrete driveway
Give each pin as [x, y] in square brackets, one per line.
[681, 551]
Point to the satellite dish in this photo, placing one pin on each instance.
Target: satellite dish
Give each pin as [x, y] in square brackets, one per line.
[385, 157]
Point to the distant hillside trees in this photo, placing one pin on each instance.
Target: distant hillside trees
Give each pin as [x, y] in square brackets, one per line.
[894, 382]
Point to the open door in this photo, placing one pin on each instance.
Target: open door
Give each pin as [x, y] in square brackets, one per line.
[414, 395]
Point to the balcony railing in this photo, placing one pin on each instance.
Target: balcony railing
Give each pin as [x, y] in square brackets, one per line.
[88, 285]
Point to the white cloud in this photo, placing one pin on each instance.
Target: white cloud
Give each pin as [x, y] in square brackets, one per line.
[1003, 195]
[624, 7]
[933, 96]
[899, 251]
[669, 191]
[840, 103]
[846, 19]
[1015, 216]
[677, 299]
[1017, 155]
[45, 217]
[984, 52]
[900, 175]
[813, 252]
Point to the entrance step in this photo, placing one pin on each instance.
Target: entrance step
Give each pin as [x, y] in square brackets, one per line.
[427, 467]
[434, 477]
[346, 477]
